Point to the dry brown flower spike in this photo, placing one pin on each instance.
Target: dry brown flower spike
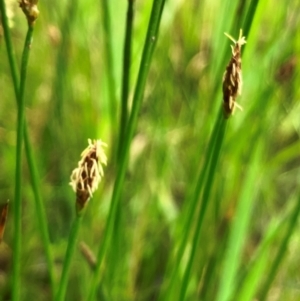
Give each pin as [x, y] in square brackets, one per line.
[232, 78]
[30, 10]
[87, 176]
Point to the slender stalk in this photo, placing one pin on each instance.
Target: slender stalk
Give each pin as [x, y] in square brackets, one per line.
[68, 258]
[126, 74]
[251, 276]
[238, 232]
[117, 234]
[249, 17]
[9, 48]
[148, 50]
[40, 209]
[204, 204]
[110, 67]
[41, 215]
[18, 172]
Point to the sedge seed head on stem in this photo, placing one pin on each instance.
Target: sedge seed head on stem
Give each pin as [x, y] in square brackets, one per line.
[86, 177]
[232, 78]
[30, 10]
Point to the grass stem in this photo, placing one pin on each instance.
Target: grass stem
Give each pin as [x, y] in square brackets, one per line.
[41, 215]
[16, 278]
[40, 209]
[68, 258]
[148, 50]
[110, 68]
[239, 228]
[281, 252]
[126, 75]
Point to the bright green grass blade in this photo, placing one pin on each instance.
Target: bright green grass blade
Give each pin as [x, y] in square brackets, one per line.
[258, 265]
[126, 75]
[249, 17]
[281, 252]
[68, 258]
[16, 282]
[239, 230]
[106, 17]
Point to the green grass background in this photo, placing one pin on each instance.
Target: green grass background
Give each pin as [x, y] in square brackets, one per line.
[247, 246]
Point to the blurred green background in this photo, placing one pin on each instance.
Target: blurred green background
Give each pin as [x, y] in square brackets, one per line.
[73, 93]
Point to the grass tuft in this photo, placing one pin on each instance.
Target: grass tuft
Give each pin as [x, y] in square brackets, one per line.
[195, 204]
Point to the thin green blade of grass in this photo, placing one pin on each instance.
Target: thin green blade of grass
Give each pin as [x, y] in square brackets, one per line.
[40, 209]
[16, 277]
[250, 16]
[281, 252]
[9, 47]
[204, 203]
[41, 214]
[252, 276]
[239, 230]
[149, 47]
[126, 74]
[246, 293]
[167, 291]
[68, 258]
[106, 17]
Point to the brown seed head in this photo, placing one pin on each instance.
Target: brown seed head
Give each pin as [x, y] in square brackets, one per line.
[87, 176]
[30, 10]
[232, 78]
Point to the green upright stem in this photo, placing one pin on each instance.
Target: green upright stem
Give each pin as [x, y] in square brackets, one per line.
[249, 17]
[68, 258]
[41, 215]
[40, 209]
[239, 229]
[18, 173]
[10, 51]
[204, 204]
[148, 50]
[126, 75]
[110, 67]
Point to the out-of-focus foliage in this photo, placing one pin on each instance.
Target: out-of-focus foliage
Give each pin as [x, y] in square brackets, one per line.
[68, 101]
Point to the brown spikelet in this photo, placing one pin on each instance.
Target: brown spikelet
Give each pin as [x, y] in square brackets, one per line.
[87, 176]
[232, 78]
[30, 10]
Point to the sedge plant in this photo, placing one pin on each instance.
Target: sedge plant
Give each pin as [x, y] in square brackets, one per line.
[42, 220]
[31, 12]
[84, 180]
[232, 85]
[203, 204]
